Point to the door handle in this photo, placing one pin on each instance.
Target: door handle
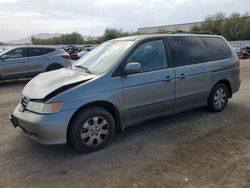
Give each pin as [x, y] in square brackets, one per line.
[183, 76]
[168, 78]
[24, 61]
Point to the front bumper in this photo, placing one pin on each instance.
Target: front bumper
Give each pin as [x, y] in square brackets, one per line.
[43, 128]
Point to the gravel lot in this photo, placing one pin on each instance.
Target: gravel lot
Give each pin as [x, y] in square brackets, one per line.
[191, 149]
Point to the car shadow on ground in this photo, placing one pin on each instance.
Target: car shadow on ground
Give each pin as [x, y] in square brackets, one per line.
[145, 139]
[130, 134]
[172, 126]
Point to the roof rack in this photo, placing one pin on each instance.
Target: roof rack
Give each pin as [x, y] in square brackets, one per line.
[196, 32]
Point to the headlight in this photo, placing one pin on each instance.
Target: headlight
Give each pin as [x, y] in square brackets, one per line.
[44, 108]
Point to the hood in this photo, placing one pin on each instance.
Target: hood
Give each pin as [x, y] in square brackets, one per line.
[59, 80]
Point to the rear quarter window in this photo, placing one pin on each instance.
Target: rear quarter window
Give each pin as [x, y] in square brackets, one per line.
[47, 50]
[217, 48]
[187, 50]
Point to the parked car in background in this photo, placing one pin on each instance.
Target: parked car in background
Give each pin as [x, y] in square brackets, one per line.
[22, 62]
[82, 53]
[72, 51]
[88, 47]
[76, 52]
[246, 52]
[126, 81]
[243, 52]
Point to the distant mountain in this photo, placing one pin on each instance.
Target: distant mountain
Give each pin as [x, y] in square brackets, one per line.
[28, 39]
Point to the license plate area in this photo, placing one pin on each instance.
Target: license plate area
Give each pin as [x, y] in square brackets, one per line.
[14, 120]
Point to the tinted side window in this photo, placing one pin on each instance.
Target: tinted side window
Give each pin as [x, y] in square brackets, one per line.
[151, 55]
[39, 51]
[17, 53]
[33, 52]
[187, 50]
[217, 48]
[47, 50]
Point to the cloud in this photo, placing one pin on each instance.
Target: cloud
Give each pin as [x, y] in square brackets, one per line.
[20, 18]
[8, 1]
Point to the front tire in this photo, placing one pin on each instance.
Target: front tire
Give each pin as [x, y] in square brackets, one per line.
[91, 129]
[218, 98]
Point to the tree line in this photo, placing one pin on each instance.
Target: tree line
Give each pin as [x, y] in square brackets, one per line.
[73, 38]
[76, 38]
[234, 27]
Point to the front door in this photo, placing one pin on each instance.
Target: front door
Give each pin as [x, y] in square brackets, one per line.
[14, 64]
[151, 92]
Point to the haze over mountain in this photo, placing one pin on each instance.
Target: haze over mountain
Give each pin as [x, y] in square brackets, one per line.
[27, 40]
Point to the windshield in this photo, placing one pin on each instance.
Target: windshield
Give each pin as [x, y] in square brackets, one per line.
[5, 51]
[103, 57]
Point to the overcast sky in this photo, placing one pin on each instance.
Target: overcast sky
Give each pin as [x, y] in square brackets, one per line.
[21, 18]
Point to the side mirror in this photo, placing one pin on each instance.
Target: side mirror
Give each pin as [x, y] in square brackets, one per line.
[132, 68]
[3, 57]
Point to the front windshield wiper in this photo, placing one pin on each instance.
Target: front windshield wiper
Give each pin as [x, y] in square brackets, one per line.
[84, 68]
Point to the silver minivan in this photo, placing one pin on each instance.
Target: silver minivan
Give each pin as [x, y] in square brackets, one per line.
[125, 81]
[29, 61]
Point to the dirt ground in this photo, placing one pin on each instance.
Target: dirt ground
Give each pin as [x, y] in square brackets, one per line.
[191, 149]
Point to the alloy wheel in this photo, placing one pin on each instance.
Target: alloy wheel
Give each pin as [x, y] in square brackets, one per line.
[94, 131]
[220, 98]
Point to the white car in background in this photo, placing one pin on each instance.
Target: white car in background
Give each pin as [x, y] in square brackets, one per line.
[82, 53]
[1, 50]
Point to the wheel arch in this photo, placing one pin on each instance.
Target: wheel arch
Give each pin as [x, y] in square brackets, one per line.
[111, 108]
[50, 66]
[228, 84]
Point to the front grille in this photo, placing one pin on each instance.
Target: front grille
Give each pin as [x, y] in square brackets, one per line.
[25, 101]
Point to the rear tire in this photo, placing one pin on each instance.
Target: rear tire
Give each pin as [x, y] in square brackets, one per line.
[218, 98]
[91, 129]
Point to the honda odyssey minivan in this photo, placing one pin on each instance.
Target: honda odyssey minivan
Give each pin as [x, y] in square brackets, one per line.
[125, 81]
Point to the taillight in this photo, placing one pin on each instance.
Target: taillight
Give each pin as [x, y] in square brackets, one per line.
[238, 64]
[67, 56]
